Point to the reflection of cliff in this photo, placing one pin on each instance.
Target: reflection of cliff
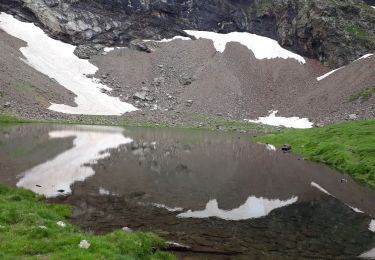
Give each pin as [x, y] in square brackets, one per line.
[55, 176]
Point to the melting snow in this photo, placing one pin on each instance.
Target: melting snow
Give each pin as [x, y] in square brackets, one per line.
[162, 206]
[333, 71]
[253, 208]
[175, 38]
[290, 122]
[270, 147]
[54, 177]
[57, 60]
[262, 47]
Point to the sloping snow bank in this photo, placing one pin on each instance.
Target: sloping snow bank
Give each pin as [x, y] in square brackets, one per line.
[57, 60]
[333, 71]
[262, 47]
[290, 122]
[253, 208]
[54, 177]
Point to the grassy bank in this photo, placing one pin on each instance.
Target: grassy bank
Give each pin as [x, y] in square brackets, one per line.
[29, 230]
[347, 147]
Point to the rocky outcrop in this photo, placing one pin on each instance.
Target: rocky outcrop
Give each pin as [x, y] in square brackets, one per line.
[334, 32]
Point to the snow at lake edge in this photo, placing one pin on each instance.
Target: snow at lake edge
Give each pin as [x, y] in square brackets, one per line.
[289, 122]
[42, 52]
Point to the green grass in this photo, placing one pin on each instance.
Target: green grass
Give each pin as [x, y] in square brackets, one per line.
[363, 95]
[10, 119]
[359, 33]
[347, 147]
[29, 230]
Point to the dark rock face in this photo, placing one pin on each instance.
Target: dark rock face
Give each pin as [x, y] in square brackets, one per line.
[335, 32]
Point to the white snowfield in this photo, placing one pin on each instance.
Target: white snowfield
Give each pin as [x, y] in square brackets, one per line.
[333, 71]
[90, 145]
[253, 208]
[57, 60]
[262, 47]
[290, 122]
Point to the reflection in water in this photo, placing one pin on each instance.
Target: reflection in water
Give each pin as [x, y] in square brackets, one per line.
[371, 253]
[253, 208]
[372, 225]
[55, 177]
[141, 185]
[313, 184]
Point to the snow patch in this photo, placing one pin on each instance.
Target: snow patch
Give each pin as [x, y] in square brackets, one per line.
[327, 74]
[253, 208]
[57, 60]
[175, 38]
[290, 122]
[270, 147]
[55, 177]
[262, 47]
[162, 206]
[333, 71]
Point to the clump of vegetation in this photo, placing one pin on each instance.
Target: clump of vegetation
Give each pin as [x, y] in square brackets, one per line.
[10, 119]
[359, 33]
[363, 95]
[29, 229]
[347, 147]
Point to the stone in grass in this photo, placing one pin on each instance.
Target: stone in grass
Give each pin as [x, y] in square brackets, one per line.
[286, 147]
[84, 244]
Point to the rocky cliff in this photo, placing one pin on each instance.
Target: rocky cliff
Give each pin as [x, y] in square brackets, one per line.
[332, 31]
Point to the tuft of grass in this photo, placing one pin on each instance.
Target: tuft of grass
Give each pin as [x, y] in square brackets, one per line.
[29, 230]
[10, 119]
[359, 33]
[347, 147]
[363, 95]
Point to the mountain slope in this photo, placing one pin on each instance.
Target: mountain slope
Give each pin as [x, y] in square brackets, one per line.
[334, 32]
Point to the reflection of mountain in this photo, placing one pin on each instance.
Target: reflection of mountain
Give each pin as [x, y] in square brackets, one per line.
[70, 166]
[253, 208]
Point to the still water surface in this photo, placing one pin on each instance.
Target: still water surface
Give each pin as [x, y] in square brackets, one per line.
[219, 193]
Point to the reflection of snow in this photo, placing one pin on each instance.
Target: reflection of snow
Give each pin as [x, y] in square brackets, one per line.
[253, 208]
[291, 122]
[262, 47]
[372, 225]
[90, 144]
[369, 254]
[313, 184]
[57, 60]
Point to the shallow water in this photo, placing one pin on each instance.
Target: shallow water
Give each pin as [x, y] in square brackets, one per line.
[219, 193]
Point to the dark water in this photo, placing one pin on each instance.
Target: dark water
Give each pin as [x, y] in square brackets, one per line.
[222, 195]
